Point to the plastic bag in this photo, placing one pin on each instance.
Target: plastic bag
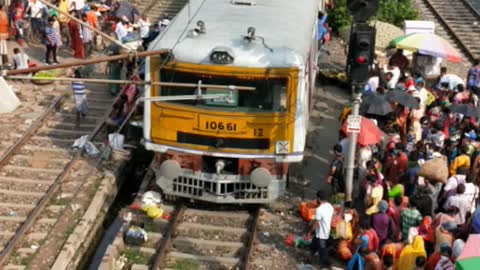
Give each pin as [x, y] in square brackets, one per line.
[116, 141]
[307, 210]
[135, 236]
[344, 230]
[344, 253]
[302, 241]
[151, 198]
[153, 211]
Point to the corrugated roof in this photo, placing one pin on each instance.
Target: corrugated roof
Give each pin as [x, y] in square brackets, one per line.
[286, 25]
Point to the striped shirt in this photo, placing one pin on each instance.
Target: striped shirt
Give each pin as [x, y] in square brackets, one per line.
[78, 88]
[51, 35]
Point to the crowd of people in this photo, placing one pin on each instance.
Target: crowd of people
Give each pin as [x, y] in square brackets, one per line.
[72, 25]
[406, 217]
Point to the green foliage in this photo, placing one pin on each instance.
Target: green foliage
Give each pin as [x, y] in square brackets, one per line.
[390, 11]
[186, 265]
[339, 16]
[396, 11]
[135, 256]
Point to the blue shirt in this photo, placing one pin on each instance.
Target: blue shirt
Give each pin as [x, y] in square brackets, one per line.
[321, 30]
[78, 88]
[51, 35]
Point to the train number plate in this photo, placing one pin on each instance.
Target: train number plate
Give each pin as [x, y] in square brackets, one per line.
[220, 125]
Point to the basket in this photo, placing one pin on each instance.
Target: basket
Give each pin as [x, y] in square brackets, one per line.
[42, 82]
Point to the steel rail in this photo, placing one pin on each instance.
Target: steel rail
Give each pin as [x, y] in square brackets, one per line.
[22, 140]
[34, 214]
[251, 241]
[159, 259]
[456, 37]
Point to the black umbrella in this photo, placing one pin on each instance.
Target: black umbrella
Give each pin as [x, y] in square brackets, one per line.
[376, 105]
[403, 98]
[466, 110]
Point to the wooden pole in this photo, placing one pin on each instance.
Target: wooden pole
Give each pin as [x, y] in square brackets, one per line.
[82, 62]
[102, 81]
[85, 24]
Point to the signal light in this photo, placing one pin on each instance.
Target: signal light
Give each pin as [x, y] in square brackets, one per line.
[360, 53]
[361, 60]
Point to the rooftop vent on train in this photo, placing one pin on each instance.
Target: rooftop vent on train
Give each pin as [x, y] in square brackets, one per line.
[199, 29]
[244, 2]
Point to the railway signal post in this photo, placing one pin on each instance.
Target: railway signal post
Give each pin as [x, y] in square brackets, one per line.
[360, 58]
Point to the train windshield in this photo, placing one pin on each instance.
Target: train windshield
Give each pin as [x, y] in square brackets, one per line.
[269, 94]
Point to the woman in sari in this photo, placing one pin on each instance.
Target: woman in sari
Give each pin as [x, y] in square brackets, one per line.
[410, 253]
[357, 261]
[76, 43]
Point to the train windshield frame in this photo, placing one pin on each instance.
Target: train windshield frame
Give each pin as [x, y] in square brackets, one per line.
[270, 94]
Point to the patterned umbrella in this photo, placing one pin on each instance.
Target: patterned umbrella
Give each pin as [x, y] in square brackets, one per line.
[428, 44]
[469, 259]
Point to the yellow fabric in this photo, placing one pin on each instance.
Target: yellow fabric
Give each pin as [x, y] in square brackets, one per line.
[376, 196]
[153, 211]
[62, 6]
[462, 161]
[410, 253]
[430, 99]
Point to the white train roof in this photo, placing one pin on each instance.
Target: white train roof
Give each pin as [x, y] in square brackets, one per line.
[286, 25]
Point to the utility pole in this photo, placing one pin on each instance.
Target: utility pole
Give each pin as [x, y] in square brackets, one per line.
[360, 57]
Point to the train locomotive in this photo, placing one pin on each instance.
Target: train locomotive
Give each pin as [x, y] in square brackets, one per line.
[236, 150]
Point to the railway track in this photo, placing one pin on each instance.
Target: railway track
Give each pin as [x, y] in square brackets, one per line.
[40, 176]
[461, 21]
[199, 239]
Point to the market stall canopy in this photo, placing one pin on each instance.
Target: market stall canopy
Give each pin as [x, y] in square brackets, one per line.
[428, 44]
[470, 256]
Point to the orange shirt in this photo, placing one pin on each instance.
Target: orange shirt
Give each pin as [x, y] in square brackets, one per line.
[92, 18]
[3, 25]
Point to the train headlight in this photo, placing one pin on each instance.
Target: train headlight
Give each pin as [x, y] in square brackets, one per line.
[170, 169]
[222, 56]
[281, 147]
[261, 177]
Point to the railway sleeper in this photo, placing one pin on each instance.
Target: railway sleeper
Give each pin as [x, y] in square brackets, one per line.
[24, 189]
[38, 161]
[202, 247]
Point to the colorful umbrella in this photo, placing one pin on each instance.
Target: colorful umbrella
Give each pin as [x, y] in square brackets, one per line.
[469, 259]
[428, 44]
[369, 134]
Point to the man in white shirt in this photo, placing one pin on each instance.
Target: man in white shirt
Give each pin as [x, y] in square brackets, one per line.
[36, 21]
[20, 60]
[144, 27]
[462, 202]
[78, 6]
[451, 79]
[321, 226]
[120, 29]
[395, 71]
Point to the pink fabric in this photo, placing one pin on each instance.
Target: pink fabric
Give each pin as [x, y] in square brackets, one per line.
[471, 247]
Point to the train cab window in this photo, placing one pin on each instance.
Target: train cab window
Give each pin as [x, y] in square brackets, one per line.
[269, 94]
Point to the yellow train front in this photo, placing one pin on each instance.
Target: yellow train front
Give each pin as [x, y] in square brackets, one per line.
[231, 151]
